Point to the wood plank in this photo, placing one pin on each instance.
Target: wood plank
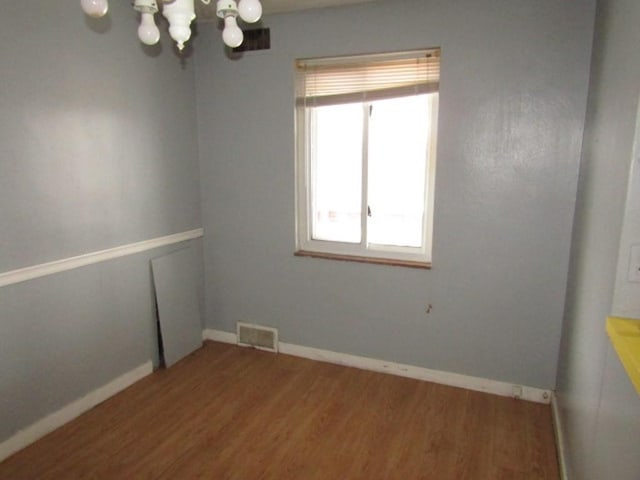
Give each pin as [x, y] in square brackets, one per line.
[226, 412]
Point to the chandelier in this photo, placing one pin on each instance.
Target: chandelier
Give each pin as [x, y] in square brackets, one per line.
[180, 14]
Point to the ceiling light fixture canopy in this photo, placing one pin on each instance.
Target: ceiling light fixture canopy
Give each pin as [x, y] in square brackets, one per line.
[180, 14]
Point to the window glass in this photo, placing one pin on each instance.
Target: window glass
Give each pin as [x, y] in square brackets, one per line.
[336, 172]
[398, 142]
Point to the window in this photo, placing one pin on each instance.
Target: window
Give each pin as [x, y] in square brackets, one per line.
[365, 153]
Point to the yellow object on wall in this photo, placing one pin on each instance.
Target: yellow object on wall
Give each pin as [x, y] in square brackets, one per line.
[625, 336]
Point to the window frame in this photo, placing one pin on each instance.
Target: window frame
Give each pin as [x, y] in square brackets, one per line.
[418, 257]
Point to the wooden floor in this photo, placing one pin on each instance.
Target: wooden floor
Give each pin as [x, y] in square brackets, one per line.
[232, 413]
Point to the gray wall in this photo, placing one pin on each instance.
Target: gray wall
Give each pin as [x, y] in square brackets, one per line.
[98, 149]
[599, 409]
[626, 298]
[512, 106]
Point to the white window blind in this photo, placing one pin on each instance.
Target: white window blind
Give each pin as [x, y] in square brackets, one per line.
[339, 80]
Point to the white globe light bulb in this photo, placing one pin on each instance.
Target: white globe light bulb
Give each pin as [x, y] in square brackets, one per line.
[148, 32]
[232, 35]
[250, 10]
[95, 8]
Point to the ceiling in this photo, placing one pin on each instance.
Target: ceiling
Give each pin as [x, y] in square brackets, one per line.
[277, 6]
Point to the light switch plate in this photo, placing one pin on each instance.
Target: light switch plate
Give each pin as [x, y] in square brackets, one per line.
[634, 264]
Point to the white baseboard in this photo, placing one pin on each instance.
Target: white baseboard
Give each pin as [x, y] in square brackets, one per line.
[219, 336]
[560, 440]
[66, 414]
[495, 387]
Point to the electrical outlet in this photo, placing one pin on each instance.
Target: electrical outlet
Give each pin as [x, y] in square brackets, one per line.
[516, 391]
[634, 264]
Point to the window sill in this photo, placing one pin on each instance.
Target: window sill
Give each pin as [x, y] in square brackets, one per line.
[372, 260]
